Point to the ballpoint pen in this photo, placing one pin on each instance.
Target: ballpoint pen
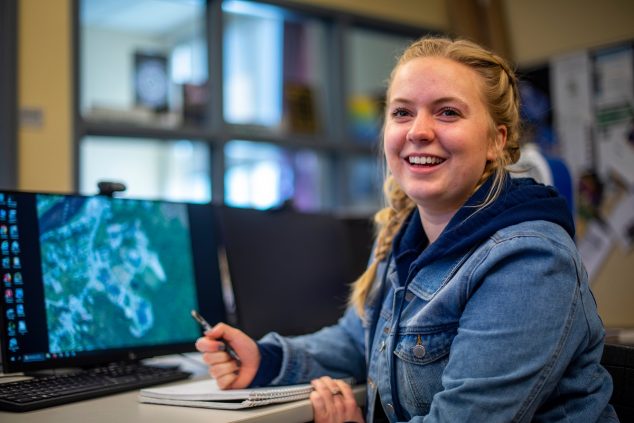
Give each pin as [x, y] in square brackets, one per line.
[206, 326]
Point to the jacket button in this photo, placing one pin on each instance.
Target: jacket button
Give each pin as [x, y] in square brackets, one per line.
[409, 296]
[386, 330]
[419, 351]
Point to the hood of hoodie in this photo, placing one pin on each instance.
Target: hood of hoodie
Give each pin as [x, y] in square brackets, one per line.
[521, 199]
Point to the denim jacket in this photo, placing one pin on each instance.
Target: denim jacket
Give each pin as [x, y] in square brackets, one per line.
[504, 331]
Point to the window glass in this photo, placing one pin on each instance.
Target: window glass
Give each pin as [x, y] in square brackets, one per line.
[364, 184]
[274, 68]
[143, 61]
[173, 170]
[264, 176]
[370, 57]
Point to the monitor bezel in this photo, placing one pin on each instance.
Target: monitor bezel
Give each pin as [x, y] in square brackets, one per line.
[203, 232]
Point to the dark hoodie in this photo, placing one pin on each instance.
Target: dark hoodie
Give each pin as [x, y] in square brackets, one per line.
[521, 200]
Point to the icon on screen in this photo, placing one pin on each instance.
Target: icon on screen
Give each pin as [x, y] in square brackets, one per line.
[16, 263]
[7, 279]
[19, 294]
[19, 309]
[17, 278]
[13, 216]
[15, 247]
[13, 344]
[22, 327]
[11, 328]
[3, 215]
[8, 295]
[13, 231]
[10, 314]
[4, 247]
[6, 263]
[4, 231]
[11, 201]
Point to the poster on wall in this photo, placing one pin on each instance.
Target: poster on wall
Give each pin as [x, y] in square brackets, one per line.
[614, 102]
[571, 88]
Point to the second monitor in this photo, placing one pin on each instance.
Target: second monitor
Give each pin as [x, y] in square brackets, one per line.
[290, 272]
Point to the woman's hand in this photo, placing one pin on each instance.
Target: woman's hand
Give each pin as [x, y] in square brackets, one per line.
[228, 372]
[333, 402]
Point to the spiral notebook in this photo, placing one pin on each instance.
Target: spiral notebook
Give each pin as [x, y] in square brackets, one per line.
[207, 394]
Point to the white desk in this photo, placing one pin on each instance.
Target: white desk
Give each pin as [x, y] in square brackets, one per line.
[124, 408]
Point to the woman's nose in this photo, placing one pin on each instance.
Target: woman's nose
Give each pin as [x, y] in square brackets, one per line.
[422, 128]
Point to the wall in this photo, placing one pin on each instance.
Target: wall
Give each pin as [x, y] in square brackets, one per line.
[45, 152]
[102, 62]
[431, 14]
[540, 29]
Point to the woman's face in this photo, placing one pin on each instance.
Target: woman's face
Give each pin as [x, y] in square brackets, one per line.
[437, 134]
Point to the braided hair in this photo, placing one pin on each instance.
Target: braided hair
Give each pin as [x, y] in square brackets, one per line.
[501, 96]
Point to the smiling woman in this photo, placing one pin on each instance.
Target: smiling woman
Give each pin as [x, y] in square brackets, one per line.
[469, 264]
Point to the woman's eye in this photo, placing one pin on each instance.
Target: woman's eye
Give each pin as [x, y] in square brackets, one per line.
[399, 113]
[449, 112]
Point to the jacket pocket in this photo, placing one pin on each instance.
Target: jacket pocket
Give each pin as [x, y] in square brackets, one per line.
[421, 358]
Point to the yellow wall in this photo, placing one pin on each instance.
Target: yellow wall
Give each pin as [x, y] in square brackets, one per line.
[540, 29]
[614, 291]
[430, 14]
[45, 154]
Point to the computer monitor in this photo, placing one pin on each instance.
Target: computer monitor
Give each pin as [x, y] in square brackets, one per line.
[92, 280]
[289, 270]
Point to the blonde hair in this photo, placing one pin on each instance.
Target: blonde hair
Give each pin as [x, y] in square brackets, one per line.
[500, 94]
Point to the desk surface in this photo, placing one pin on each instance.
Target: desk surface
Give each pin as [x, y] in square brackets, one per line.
[124, 408]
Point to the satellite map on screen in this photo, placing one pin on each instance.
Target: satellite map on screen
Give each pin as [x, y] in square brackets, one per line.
[116, 272]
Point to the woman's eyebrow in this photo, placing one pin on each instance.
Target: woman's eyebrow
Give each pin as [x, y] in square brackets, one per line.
[435, 102]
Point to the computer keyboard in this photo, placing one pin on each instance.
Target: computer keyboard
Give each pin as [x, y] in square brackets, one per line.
[47, 391]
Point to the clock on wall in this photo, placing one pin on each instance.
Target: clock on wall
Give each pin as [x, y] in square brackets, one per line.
[151, 81]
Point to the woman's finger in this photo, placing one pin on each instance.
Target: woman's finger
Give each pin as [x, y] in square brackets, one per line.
[225, 380]
[320, 413]
[352, 412]
[326, 410]
[224, 367]
[333, 402]
[216, 358]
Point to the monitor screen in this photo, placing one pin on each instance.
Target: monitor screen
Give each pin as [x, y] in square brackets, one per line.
[91, 280]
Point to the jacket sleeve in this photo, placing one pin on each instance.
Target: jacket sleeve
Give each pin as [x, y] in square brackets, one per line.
[336, 351]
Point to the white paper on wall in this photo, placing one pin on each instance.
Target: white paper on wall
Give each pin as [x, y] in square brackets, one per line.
[614, 103]
[571, 82]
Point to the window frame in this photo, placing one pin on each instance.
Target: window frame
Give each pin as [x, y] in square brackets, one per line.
[333, 142]
[8, 88]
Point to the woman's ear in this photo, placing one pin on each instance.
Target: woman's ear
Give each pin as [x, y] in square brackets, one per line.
[499, 141]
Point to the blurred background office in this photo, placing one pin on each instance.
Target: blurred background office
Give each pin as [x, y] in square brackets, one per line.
[260, 104]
